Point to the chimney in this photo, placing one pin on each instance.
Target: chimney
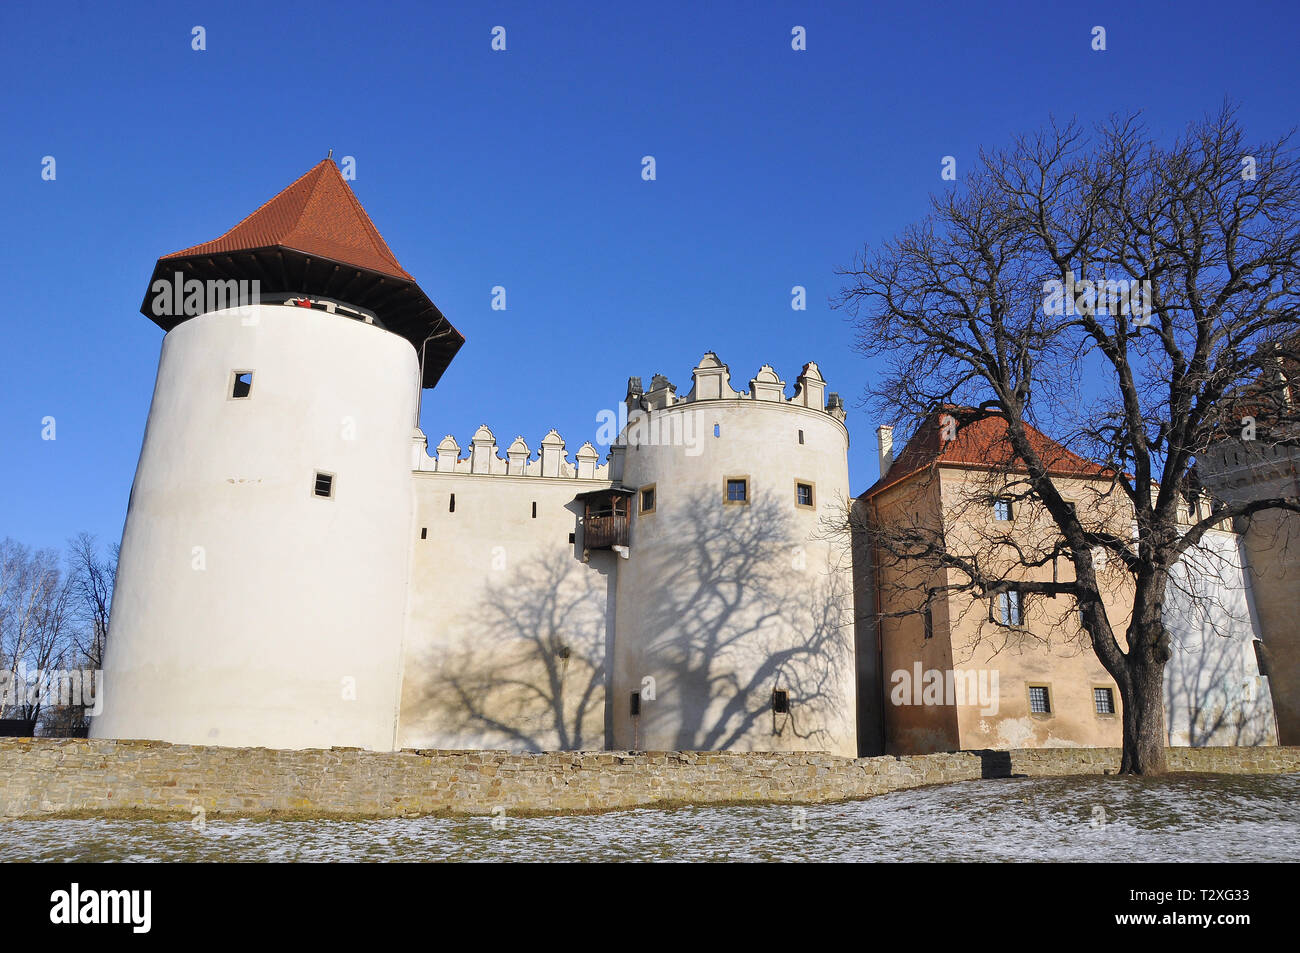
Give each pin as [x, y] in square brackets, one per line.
[885, 439]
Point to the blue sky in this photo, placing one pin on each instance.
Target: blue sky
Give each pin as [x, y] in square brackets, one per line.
[523, 169]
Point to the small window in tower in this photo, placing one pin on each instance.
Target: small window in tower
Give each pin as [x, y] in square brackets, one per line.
[781, 701]
[324, 486]
[737, 490]
[803, 494]
[929, 623]
[573, 537]
[717, 430]
[241, 384]
[636, 704]
[424, 532]
[801, 436]
[451, 506]
[648, 499]
[534, 509]
[1261, 658]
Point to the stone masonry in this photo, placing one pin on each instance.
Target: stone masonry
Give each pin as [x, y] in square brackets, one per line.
[53, 776]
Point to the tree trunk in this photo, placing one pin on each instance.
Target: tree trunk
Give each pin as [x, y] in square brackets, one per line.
[1144, 709]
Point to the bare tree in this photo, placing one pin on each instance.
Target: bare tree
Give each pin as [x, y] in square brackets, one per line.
[92, 577]
[1120, 295]
[35, 622]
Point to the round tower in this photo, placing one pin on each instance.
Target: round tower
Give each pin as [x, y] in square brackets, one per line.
[735, 606]
[262, 580]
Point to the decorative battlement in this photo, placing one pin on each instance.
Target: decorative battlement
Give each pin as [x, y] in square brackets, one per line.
[551, 460]
[711, 380]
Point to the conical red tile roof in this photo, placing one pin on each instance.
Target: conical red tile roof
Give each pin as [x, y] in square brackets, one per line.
[317, 214]
[313, 239]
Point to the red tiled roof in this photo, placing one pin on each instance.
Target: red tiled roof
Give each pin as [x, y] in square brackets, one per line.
[317, 215]
[979, 444]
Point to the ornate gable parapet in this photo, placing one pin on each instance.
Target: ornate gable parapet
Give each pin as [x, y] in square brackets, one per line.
[711, 380]
[485, 459]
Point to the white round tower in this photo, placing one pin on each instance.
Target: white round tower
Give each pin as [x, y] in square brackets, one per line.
[261, 587]
[735, 602]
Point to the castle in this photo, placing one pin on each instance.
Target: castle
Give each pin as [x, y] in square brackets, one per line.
[299, 569]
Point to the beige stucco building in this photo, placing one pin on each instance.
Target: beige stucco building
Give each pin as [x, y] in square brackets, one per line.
[1021, 668]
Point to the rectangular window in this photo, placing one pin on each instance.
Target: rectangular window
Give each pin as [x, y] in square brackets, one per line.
[424, 532]
[803, 494]
[1010, 608]
[241, 384]
[928, 619]
[451, 506]
[636, 704]
[324, 486]
[801, 436]
[534, 509]
[781, 701]
[1261, 660]
[1002, 510]
[737, 490]
[1104, 700]
[647, 499]
[1039, 701]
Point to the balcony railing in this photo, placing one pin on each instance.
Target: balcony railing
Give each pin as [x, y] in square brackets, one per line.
[603, 532]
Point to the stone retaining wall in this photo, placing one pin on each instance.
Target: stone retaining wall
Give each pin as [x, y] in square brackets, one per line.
[45, 776]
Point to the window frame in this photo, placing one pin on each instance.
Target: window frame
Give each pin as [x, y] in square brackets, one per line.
[1011, 510]
[235, 374]
[726, 489]
[812, 494]
[1114, 709]
[653, 490]
[333, 494]
[1029, 699]
[1019, 621]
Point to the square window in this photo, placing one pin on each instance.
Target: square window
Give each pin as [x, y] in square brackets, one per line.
[1010, 608]
[781, 701]
[737, 490]
[803, 494]
[324, 486]
[647, 499]
[1002, 510]
[241, 384]
[1104, 700]
[1039, 701]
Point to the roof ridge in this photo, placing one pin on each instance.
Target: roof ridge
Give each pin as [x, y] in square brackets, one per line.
[254, 212]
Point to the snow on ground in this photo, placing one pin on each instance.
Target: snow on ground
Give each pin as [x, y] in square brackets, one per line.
[1175, 818]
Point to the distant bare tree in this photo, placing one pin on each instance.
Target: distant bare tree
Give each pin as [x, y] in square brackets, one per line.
[35, 623]
[92, 576]
[1120, 295]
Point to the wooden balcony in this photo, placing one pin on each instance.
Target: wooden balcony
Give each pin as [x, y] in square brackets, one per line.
[606, 518]
[605, 532]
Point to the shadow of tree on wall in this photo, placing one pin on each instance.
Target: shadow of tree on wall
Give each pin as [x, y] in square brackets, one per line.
[527, 669]
[1210, 698]
[740, 606]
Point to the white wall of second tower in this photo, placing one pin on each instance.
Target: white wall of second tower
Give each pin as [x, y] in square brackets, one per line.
[249, 610]
[723, 602]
